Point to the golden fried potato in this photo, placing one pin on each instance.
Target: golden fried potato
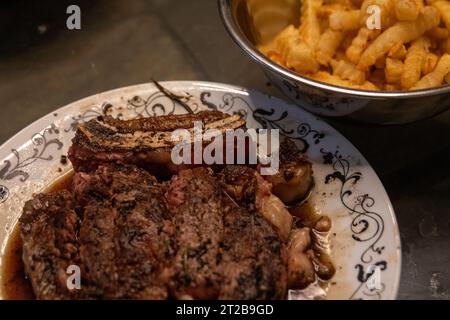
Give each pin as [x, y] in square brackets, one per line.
[429, 63]
[337, 81]
[309, 22]
[447, 78]
[439, 33]
[436, 77]
[394, 70]
[359, 44]
[387, 12]
[348, 71]
[328, 44]
[415, 58]
[407, 10]
[340, 42]
[444, 9]
[401, 32]
[398, 51]
[345, 20]
[296, 52]
[445, 47]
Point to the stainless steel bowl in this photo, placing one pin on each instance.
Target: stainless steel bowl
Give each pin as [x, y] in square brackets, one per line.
[329, 100]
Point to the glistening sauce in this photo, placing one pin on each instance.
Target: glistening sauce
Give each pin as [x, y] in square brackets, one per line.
[15, 285]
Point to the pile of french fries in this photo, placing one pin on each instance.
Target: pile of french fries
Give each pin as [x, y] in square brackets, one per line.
[409, 48]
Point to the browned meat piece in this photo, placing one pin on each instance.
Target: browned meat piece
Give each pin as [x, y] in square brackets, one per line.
[145, 142]
[294, 180]
[249, 189]
[225, 251]
[195, 200]
[121, 241]
[253, 258]
[49, 231]
[125, 235]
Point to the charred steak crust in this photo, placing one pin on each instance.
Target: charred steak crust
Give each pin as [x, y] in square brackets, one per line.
[115, 227]
[125, 234]
[135, 238]
[196, 205]
[225, 251]
[145, 142]
[201, 235]
[252, 258]
[164, 123]
[49, 227]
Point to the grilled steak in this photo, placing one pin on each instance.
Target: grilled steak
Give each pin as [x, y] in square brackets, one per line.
[125, 233]
[134, 238]
[225, 251]
[49, 228]
[195, 201]
[120, 237]
[145, 142]
[253, 257]
[202, 234]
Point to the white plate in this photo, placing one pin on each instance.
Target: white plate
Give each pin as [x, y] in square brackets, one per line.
[365, 232]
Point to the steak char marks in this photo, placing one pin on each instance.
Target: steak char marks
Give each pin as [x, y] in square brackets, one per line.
[225, 251]
[125, 234]
[115, 227]
[144, 142]
[135, 237]
[49, 228]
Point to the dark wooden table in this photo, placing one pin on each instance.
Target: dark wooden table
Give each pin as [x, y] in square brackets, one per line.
[44, 66]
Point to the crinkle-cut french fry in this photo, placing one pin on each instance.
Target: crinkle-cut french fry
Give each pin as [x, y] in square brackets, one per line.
[326, 10]
[398, 51]
[345, 3]
[401, 32]
[348, 71]
[277, 58]
[337, 81]
[387, 12]
[435, 78]
[340, 55]
[309, 22]
[297, 54]
[359, 44]
[447, 78]
[348, 39]
[357, 3]
[407, 47]
[380, 63]
[429, 63]
[444, 9]
[268, 47]
[392, 87]
[407, 10]
[415, 57]
[327, 46]
[345, 20]
[421, 4]
[445, 46]
[439, 33]
[393, 71]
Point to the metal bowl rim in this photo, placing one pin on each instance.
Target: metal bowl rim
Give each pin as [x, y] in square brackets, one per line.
[241, 40]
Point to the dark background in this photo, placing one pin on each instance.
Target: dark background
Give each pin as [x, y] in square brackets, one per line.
[44, 66]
